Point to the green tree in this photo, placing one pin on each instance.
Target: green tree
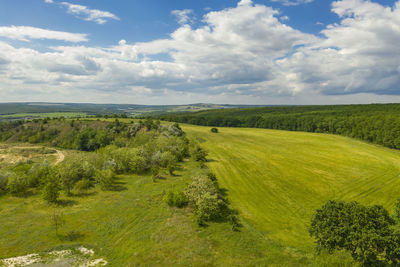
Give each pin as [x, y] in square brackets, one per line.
[365, 231]
[51, 190]
[17, 185]
[106, 179]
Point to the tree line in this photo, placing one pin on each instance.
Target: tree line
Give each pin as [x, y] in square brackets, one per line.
[375, 123]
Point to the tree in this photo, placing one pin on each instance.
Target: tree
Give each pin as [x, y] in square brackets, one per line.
[397, 211]
[57, 220]
[51, 191]
[17, 185]
[106, 179]
[198, 153]
[365, 231]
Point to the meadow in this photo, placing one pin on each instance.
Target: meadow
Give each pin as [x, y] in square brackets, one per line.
[277, 179]
[274, 179]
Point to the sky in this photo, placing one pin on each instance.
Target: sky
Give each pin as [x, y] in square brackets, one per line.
[267, 52]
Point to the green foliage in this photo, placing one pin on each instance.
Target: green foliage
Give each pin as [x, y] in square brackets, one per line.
[37, 174]
[83, 185]
[106, 179]
[3, 182]
[176, 198]
[365, 231]
[198, 153]
[214, 130]
[51, 190]
[396, 214]
[17, 185]
[203, 196]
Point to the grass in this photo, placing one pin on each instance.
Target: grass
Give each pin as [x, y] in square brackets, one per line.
[277, 179]
[135, 227]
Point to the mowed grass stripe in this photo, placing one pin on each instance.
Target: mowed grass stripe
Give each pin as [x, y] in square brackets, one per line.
[276, 179]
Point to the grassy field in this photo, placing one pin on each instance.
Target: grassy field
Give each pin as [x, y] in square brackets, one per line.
[134, 227]
[276, 179]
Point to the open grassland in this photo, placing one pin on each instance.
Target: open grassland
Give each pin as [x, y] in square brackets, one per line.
[134, 227]
[277, 179]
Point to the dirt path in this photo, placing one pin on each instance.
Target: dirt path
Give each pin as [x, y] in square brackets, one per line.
[59, 154]
[60, 157]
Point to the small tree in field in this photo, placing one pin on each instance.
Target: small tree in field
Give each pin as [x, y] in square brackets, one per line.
[57, 220]
[51, 191]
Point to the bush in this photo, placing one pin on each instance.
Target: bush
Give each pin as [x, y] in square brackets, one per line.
[3, 182]
[83, 185]
[198, 153]
[51, 191]
[106, 179]
[17, 185]
[214, 130]
[176, 199]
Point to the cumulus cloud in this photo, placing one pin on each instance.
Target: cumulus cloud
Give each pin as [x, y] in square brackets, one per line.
[244, 54]
[83, 12]
[26, 33]
[183, 16]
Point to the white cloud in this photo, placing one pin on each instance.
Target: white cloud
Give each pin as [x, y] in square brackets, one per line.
[49, 1]
[95, 15]
[26, 33]
[183, 16]
[293, 2]
[241, 54]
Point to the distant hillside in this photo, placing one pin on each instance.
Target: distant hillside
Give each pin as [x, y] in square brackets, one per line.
[28, 110]
[376, 123]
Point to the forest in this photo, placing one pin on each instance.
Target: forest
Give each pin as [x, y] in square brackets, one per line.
[375, 123]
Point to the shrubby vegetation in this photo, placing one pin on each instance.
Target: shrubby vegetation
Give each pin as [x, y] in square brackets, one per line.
[117, 148]
[367, 232]
[377, 123]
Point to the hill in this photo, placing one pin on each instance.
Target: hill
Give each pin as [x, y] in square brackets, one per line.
[277, 179]
[42, 110]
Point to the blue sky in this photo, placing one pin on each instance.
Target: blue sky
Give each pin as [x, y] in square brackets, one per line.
[175, 52]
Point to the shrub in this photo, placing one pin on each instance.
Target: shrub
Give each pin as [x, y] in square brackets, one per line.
[176, 198]
[198, 153]
[3, 182]
[51, 190]
[137, 164]
[106, 179]
[83, 185]
[214, 130]
[17, 185]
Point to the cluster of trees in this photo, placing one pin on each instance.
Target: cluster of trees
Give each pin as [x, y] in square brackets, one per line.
[84, 135]
[369, 233]
[376, 123]
[118, 148]
[207, 200]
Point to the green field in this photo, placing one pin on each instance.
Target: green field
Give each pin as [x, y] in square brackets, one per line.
[277, 179]
[274, 179]
[135, 227]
